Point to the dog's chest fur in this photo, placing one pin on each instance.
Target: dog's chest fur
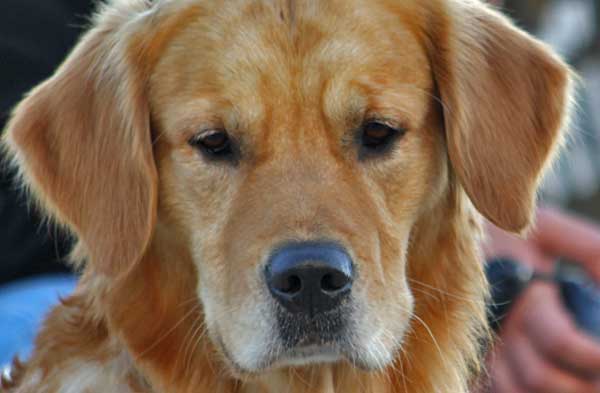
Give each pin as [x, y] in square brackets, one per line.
[119, 376]
[115, 375]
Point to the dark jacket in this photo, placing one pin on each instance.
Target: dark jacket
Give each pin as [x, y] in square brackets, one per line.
[35, 36]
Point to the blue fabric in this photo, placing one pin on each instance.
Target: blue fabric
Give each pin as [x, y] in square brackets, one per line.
[23, 306]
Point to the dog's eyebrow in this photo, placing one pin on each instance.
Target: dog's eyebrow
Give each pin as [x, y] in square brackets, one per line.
[292, 11]
[288, 12]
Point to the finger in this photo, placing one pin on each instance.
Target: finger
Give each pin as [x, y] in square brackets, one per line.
[535, 374]
[569, 236]
[503, 244]
[555, 335]
[501, 378]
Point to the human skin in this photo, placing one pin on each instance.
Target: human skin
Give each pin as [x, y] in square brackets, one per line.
[540, 349]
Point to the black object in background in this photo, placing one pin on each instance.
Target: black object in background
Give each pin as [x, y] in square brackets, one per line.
[507, 280]
[35, 37]
[581, 296]
[579, 293]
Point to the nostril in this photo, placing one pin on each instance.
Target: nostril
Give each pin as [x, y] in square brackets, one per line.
[290, 285]
[332, 282]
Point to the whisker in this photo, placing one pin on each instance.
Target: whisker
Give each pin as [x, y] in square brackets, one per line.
[188, 355]
[197, 321]
[445, 293]
[435, 342]
[167, 333]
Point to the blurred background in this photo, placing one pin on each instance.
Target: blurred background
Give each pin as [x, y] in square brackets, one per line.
[571, 27]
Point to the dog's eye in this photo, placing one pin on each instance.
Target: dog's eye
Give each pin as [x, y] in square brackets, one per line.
[214, 143]
[376, 137]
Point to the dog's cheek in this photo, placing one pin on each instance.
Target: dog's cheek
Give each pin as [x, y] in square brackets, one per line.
[408, 189]
[239, 323]
[235, 298]
[195, 205]
[250, 335]
[379, 328]
[247, 322]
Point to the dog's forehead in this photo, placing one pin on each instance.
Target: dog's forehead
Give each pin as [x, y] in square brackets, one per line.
[258, 58]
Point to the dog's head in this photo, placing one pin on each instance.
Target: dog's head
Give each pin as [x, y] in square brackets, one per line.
[288, 150]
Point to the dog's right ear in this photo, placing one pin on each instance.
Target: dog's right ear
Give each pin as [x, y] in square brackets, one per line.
[82, 142]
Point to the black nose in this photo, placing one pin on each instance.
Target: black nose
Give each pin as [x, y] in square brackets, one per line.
[310, 277]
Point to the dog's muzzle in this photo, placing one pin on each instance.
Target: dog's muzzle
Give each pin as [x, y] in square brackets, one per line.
[312, 282]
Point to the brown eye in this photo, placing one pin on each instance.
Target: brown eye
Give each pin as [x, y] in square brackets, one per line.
[214, 143]
[376, 137]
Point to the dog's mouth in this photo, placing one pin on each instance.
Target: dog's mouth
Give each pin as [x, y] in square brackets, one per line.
[318, 339]
[304, 331]
[300, 340]
[309, 354]
[302, 355]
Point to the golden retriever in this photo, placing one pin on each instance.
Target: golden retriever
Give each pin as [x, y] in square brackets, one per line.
[280, 195]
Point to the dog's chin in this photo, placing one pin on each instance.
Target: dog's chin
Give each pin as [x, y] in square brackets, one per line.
[319, 355]
[309, 355]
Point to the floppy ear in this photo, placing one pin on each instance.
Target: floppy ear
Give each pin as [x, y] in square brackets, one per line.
[82, 141]
[505, 99]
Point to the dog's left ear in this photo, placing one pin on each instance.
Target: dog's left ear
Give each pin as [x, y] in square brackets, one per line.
[505, 98]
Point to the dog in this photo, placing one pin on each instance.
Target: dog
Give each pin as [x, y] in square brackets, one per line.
[280, 195]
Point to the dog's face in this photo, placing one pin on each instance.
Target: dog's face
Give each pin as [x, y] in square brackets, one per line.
[296, 170]
[289, 150]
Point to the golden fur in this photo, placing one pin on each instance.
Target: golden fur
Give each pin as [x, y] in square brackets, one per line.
[170, 245]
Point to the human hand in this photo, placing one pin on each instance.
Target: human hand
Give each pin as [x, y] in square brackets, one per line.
[540, 349]
[554, 235]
